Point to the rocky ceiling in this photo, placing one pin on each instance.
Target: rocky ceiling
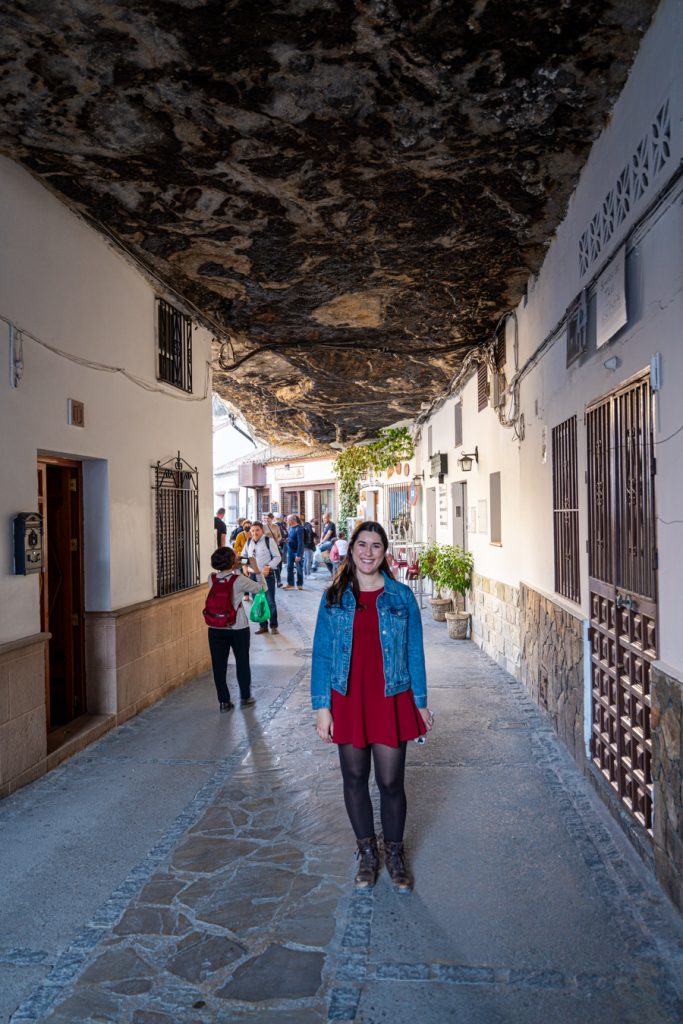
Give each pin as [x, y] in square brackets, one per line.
[352, 191]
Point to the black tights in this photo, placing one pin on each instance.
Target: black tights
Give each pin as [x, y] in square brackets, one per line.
[390, 763]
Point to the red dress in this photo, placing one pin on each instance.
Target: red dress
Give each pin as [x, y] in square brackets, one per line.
[364, 715]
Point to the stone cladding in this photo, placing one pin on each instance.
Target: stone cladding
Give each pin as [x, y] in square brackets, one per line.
[667, 776]
[496, 621]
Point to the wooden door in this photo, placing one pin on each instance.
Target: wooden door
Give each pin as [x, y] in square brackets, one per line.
[62, 604]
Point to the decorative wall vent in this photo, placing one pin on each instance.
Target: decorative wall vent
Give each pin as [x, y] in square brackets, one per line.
[651, 154]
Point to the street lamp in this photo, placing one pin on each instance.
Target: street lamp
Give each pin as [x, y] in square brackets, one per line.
[465, 460]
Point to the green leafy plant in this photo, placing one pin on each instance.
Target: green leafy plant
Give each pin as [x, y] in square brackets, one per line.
[358, 460]
[454, 568]
[427, 561]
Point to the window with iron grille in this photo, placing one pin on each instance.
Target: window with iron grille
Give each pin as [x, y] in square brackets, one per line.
[458, 424]
[482, 386]
[177, 526]
[174, 338]
[566, 510]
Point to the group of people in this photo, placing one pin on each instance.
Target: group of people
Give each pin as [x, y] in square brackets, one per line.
[368, 681]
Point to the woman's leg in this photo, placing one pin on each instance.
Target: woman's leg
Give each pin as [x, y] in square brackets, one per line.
[239, 641]
[390, 763]
[355, 768]
[219, 646]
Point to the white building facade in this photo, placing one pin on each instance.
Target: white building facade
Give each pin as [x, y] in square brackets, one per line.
[572, 506]
[106, 416]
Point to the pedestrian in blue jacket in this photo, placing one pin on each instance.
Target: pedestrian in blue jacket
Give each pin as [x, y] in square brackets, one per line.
[295, 553]
[369, 692]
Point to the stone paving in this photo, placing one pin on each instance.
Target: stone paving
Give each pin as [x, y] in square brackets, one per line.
[529, 905]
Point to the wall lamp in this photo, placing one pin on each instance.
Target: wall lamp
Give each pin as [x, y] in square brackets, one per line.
[418, 476]
[465, 460]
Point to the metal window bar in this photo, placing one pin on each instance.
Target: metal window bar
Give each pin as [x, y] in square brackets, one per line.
[175, 346]
[566, 510]
[399, 525]
[177, 526]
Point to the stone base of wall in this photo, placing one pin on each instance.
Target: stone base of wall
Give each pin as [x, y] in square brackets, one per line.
[551, 666]
[667, 777]
[496, 622]
[23, 731]
[136, 655]
[133, 657]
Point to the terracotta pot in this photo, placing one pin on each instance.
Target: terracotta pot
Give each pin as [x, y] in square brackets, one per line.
[458, 623]
[440, 605]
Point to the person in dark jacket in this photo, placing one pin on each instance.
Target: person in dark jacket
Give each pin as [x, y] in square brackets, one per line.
[295, 553]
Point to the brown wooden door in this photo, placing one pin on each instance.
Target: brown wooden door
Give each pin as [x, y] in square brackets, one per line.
[294, 503]
[623, 589]
[60, 502]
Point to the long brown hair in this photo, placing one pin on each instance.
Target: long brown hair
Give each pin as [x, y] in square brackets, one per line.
[346, 573]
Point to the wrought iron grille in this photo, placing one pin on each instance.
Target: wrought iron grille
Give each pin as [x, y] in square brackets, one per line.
[177, 526]
[175, 346]
[623, 591]
[397, 503]
[566, 511]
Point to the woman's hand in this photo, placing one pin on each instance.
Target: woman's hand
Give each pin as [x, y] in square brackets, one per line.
[427, 718]
[324, 726]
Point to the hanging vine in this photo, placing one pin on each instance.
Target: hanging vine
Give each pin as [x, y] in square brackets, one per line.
[393, 444]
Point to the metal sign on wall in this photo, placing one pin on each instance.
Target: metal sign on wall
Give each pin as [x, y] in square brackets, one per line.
[610, 299]
[289, 472]
[443, 505]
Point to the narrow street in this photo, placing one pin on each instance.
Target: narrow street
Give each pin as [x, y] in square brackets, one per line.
[196, 867]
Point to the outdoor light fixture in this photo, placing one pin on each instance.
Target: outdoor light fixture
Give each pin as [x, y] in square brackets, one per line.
[466, 460]
[418, 476]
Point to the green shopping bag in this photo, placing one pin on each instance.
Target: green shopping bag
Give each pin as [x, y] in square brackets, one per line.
[260, 609]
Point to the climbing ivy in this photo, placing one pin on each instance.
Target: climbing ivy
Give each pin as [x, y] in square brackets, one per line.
[392, 445]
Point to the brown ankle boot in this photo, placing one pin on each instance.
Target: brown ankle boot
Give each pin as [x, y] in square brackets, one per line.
[399, 872]
[368, 863]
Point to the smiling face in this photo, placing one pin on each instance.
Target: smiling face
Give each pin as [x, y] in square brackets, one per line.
[367, 553]
[256, 533]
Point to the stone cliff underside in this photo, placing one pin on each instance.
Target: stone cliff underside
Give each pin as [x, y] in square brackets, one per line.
[353, 191]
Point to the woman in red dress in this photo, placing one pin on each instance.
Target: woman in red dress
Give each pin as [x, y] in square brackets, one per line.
[369, 691]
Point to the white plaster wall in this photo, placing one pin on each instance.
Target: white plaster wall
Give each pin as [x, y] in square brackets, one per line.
[62, 282]
[498, 453]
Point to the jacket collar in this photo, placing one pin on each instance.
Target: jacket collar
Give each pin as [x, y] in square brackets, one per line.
[390, 586]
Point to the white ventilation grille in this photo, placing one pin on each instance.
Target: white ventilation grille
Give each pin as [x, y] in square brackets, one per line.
[649, 158]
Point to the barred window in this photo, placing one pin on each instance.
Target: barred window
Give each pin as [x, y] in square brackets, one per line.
[177, 526]
[566, 510]
[174, 338]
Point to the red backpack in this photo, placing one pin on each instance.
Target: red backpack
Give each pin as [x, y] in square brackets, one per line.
[219, 610]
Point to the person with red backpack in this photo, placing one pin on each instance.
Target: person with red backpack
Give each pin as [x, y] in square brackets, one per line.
[228, 624]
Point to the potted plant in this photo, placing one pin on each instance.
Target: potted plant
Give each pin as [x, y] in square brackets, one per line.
[428, 561]
[454, 573]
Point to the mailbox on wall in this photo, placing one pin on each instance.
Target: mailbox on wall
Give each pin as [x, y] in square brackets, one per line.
[28, 543]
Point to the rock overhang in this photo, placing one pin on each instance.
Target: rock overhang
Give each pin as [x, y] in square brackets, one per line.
[348, 193]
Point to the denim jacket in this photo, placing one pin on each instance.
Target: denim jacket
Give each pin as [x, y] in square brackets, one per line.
[400, 627]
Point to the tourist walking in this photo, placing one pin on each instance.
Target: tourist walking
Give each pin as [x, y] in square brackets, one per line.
[220, 528]
[369, 692]
[329, 532]
[227, 588]
[272, 530]
[338, 552]
[295, 553]
[264, 551]
[310, 541]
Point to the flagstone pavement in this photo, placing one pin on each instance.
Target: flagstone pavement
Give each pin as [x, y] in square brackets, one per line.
[196, 867]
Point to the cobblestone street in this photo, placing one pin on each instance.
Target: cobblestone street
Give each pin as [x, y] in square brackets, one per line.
[196, 867]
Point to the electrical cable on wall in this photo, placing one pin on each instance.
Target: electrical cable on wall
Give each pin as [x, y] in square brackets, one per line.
[17, 334]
